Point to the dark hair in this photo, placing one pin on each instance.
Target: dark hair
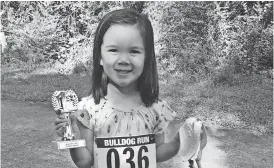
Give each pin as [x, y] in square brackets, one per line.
[148, 81]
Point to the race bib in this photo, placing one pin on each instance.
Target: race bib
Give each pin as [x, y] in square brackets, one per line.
[127, 152]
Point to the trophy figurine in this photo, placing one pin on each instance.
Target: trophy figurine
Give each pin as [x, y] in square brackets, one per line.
[66, 102]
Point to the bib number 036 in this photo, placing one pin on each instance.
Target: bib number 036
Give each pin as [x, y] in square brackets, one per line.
[127, 152]
[140, 158]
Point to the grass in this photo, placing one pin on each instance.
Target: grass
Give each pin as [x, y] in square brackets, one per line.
[39, 88]
[248, 104]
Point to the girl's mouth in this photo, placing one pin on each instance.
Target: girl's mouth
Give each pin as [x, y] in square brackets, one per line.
[123, 72]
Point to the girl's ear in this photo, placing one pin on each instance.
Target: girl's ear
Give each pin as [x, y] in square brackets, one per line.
[101, 62]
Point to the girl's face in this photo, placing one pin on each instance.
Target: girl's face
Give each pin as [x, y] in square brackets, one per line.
[123, 55]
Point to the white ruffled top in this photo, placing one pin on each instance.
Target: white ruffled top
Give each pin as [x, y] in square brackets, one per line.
[107, 121]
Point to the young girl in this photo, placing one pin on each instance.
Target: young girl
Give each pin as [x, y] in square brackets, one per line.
[124, 101]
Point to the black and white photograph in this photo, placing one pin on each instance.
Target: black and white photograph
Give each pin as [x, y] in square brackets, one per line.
[136, 84]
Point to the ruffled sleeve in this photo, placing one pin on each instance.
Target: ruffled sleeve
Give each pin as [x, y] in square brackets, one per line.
[164, 115]
[85, 112]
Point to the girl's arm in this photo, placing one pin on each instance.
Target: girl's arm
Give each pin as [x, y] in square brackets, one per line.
[165, 151]
[82, 157]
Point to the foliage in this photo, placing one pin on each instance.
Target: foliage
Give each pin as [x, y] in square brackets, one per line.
[46, 34]
[217, 39]
[240, 36]
[180, 35]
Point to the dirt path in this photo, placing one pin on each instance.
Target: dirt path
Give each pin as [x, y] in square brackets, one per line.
[27, 131]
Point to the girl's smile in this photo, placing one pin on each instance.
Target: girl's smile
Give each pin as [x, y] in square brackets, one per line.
[123, 72]
[123, 55]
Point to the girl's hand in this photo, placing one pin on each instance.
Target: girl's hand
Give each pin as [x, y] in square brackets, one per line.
[60, 124]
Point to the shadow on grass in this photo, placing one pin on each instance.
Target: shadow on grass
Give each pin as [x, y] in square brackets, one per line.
[39, 88]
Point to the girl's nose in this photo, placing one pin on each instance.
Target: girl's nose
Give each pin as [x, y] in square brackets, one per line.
[123, 59]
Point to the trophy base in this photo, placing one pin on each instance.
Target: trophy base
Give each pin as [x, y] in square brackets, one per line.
[69, 144]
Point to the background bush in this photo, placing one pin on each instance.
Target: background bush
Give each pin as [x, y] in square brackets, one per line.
[194, 37]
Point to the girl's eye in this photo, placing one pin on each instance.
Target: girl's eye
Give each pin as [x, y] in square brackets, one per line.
[135, 52]
[113, 50]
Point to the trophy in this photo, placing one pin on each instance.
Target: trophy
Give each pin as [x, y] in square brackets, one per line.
[66, 102]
